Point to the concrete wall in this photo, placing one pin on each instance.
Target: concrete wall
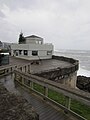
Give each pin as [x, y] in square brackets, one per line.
[41, 48]
[66, 76]
[34, 40]
[70, 80]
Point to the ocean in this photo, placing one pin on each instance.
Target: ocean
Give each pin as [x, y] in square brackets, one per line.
[82, 55]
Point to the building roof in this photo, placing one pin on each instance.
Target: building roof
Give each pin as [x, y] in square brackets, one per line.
[33, 36]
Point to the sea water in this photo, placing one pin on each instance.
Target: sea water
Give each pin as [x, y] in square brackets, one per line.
[82, 55]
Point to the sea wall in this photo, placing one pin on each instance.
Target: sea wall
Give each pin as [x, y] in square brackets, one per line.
[70, 60]
[67, 75]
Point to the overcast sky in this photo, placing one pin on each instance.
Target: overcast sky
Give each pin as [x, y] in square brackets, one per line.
[65, 23]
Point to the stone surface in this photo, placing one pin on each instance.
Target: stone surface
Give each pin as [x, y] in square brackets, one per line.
[83, 83]
[14, 107]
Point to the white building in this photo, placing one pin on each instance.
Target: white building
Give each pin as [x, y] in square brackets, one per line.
[33, 48]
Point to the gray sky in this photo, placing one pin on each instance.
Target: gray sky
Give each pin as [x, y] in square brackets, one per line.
[65, 23]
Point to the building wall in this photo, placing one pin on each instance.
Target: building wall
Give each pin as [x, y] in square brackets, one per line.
[34, 40]
[43, 51]
[70, 81]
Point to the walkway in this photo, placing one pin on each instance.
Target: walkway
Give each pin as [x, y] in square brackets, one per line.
[43, 66]
[45, 111]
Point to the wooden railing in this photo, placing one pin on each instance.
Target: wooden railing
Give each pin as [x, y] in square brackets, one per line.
[10, 69]
[28, 81]
[7, 70]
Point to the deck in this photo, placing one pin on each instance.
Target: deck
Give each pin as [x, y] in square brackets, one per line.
[45, 111]
[43, 65]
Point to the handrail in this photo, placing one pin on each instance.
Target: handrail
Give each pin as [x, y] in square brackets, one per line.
[70, 92]
[9, 69]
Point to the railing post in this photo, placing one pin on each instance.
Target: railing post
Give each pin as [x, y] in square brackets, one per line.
[11, 69]
[28, 68]
[25, 68]
[4, 71]
[15, 76]
[68, 102]
[45, 92]
[22, 80]
[31, 85]
[15, 67]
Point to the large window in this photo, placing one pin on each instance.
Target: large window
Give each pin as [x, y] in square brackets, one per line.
[49, 52]
[25, 52]
[20, 52]
[35, 53]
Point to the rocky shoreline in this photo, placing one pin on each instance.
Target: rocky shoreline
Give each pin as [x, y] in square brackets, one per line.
[83, 83]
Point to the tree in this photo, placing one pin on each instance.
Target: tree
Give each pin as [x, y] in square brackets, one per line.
[21, 38]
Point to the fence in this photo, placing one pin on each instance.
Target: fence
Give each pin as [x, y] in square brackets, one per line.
[29, 81]
[10, 69]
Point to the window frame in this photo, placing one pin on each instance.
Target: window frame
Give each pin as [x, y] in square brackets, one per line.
[25, 52]
[35, 54]
[20, 52]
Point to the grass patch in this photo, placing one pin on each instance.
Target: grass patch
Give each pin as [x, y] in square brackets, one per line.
[80, 108]
[38, 88]
[76, 106]
[58, 97]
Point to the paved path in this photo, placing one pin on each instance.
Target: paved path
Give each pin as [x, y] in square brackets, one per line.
[45, 111]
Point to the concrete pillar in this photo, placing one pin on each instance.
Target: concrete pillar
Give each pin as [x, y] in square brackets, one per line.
[73, 79]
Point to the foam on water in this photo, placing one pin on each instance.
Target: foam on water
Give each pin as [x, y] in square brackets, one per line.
[83, 72]
[82, 55]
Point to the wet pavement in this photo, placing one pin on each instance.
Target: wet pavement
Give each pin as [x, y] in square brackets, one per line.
[43, 65]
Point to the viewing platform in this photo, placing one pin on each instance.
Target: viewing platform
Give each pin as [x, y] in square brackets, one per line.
[59, 69]
[48, 75]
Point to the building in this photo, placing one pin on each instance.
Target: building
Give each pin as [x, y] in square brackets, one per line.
[32, 48]
[1, 45]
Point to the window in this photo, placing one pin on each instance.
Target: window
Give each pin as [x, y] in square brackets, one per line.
[25, 52]
[34, 53]
[49, 52]
[20, 52]
[16, 53]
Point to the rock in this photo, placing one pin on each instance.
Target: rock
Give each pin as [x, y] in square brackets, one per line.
[83, 83]
[14, 107]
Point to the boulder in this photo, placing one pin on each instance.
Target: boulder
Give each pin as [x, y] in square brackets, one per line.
[83, 83]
